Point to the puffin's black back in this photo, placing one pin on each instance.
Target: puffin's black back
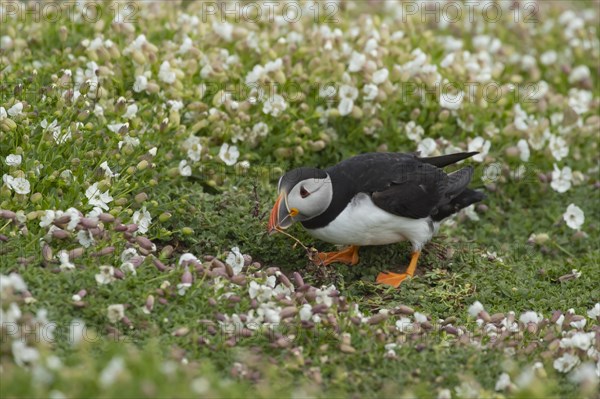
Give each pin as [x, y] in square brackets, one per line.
[399, 183]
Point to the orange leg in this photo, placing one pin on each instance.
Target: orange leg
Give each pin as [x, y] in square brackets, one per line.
[348, 256]
[394, 279]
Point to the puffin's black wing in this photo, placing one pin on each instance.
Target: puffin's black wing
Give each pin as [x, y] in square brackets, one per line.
[404, 184]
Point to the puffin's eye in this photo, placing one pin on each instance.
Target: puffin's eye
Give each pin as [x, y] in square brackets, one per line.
[303, 192]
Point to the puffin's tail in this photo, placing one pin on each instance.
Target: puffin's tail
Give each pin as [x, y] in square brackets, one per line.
[445, 160]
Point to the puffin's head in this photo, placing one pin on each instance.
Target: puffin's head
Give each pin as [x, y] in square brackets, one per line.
[304, 193]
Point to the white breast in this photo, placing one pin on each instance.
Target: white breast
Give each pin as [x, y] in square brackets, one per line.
[364, 223]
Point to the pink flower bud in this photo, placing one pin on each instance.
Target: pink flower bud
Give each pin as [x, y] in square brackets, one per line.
[106, 217]
[187, 278]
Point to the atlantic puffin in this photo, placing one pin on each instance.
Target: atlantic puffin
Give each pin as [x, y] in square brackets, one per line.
[374, 199]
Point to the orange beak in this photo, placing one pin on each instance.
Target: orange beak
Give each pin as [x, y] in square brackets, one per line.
[280, 217]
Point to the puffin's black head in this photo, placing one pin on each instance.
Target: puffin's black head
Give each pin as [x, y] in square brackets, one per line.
[304, 193]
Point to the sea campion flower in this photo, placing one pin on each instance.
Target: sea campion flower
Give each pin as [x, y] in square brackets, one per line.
[97, 198]
[166, 74]
[523, 148]
[19, 185]
[229, 154]
[106, 275]
[566, 362]
[115, 312]
[141, 83]
[16, 109]
[427, 147]
[574, 217]
[357, 61]
[13, 160]
[558, 147]
[347, 96]
[143, 219]
[184, 168]
[380, 76]
[235, 259]
[452, 101]
[274, 105]
[482, 146]
[413, 131]
[561, 179]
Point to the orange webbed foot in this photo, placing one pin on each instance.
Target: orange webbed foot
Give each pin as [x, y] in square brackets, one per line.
[348, 256]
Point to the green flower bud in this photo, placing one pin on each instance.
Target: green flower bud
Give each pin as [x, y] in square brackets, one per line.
[187, 231]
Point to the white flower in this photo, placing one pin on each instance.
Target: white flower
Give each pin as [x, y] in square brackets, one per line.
[186, 45]
[96, 198]
[380, 76]
[404, 324]
[274, 105]
[141, 83]
[128, 140]
[413, 131]
[578, 324]
[426, 147]
[548, 57]
[262, 293]
[3, 114]
[580, 100]
[523, 150]
[193, 147]
[131, 111]
[229, 154]
[420, 317]
[184, 168]
[175, 105]
[235, 259]
[522, 121]
[566, 362]
[558, 147]
[16, 109]
[20, 185]
[305, 312]
[107, 171]
[586, 374]
[357, 61]
[579, 73]
[13, 160]
[471, 214]
[574, 217]
[65, 264]
[323, 295]
[23, 354]
[503, 382]
[116, 127]
[580, 340]
[16, 282]
[347, 95]
[106, 275]
[143, 219]
[223, 30]
[85, 238]
[444, 394]
[452, 101]
[370, 92]
[260, 129]
[561, 179]
[530, 317]
[481, 145]
[115, 312]
[166, 74]
[111, 372]
[594, 312]
[475, 309]
[77, 331]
